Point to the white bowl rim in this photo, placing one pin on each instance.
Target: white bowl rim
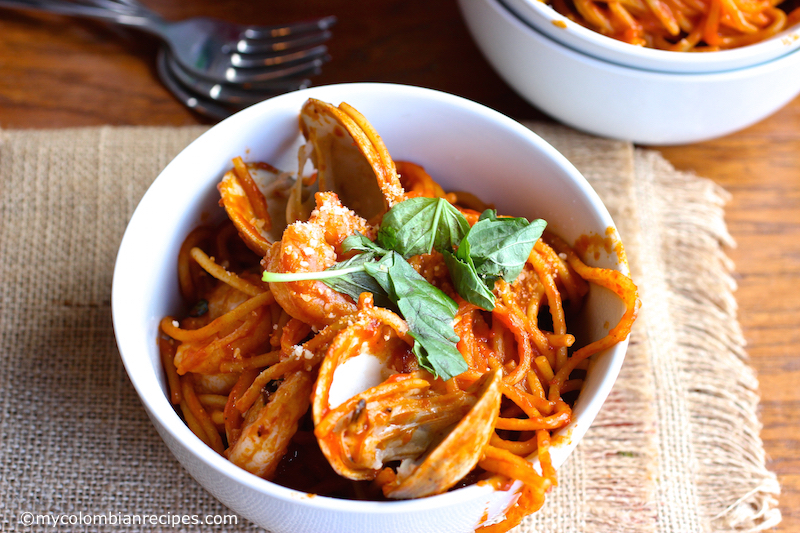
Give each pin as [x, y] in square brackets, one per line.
[158, 407]
[541, 16]
[652, 75]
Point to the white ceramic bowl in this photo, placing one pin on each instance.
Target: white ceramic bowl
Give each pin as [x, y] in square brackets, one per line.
[567, 32]
[627, 103]
[463, 145]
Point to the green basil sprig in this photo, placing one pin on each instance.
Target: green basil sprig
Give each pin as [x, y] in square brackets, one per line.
[355, 281]
[419, 225]
[492, 249]
[427, 310]
[395, 284]
[476, 258]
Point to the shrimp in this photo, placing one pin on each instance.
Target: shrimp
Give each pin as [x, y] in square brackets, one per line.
[314, 246]
[270, 426]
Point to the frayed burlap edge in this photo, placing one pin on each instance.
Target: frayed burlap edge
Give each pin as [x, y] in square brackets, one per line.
[712, 473]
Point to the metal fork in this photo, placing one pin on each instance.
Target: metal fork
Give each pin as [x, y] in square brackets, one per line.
[200, 102]
[213, 49]
[226, 93]
[217, 101]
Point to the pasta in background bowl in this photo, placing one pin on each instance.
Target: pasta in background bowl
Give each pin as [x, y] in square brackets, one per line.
[567, 30]
[466, 147]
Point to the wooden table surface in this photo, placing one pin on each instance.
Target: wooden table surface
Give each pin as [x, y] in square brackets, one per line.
[57, 72]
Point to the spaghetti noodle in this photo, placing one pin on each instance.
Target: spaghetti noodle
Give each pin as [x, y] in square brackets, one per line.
[683, 25]
[255, 379]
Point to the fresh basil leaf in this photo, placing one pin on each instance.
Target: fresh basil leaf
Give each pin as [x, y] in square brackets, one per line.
[429, 313]
[439, 358]
[418, 225]
[355, 283]
[468, 283]
[490, 214]
[427, 310]
[451, 226]
[379, 270]
[361, 243]
[399, 279]
[407, 282]
[501, 246]
[434, 337]
[430, 318]
[463, 250]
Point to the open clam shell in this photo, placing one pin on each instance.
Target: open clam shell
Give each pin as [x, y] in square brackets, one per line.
[368, 413]
[457, 454]
[350, 158]
[255, 197]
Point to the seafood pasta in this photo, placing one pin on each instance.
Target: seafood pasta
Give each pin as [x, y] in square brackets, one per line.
[357, 332]
[684, 25]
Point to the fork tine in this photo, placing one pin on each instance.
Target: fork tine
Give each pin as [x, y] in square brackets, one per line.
[232, 94]
[198, 104]
[272, 60]
[120, 7]
[263, 46]
[271, 32]
[259, 75]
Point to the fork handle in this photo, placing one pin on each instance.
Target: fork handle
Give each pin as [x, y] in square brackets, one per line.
[140, 18]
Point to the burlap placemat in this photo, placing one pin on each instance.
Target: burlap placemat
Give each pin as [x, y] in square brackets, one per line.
[676, 448]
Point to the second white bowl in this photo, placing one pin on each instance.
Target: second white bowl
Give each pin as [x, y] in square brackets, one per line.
[637, 105]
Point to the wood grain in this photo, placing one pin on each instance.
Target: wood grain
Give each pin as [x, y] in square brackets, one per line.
[57, 72]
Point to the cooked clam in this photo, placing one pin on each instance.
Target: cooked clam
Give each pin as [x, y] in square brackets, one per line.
[456, 455]
[373, 407]
[255, 197]
[351, 158]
